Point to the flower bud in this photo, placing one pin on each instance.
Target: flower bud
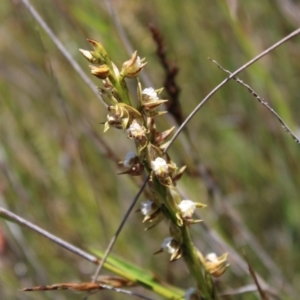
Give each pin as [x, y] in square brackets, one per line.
[92, 56]
[171, 246]
[151, 212]
[87, 54]
[101, 72]
[133, 66]
[215, 265]
[99, 49]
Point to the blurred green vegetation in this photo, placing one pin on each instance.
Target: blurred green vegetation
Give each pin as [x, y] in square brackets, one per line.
[57, 171]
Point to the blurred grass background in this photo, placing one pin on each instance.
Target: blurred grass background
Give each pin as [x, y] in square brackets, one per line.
[57, 170]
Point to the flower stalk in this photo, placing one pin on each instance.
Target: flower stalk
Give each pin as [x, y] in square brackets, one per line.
[166, 203]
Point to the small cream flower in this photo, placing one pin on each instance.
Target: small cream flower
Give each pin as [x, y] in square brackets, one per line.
[187, 208]
[150, 101]
[159, 166]
[101, 72]
[139, 134]
[136, 130]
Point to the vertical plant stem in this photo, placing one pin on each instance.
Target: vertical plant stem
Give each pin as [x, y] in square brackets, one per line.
[189, 251]
[196, 268]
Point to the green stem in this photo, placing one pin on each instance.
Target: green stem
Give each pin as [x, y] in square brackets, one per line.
[196, 267]
[190, 254]
[121, 87]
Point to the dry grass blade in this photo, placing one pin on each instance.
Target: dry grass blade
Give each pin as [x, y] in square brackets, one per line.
[82, 287]
[260, 100]
[112, 281]
[106, 282]
[79, 287]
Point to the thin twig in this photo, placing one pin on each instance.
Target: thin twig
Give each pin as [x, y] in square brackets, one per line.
[114, 238]
[17, 219]
[260, 290]
[61, 47]
[260, 100]
[242, 68]
[24, 244]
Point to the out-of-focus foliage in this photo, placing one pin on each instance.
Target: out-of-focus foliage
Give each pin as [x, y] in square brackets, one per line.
[57, 171]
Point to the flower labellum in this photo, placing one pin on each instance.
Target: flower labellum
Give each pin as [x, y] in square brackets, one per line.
[136, 130]
[149, 94]
[159, 166]
[187, 208]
